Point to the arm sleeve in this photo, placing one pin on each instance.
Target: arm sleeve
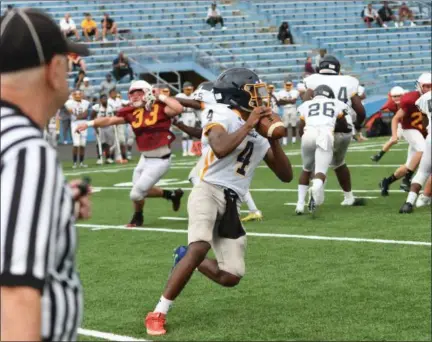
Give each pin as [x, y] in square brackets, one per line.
[29, 200]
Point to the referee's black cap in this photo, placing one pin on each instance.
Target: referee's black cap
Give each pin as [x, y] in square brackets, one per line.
[30, 38]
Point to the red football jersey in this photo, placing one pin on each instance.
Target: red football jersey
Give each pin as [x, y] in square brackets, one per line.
[390, 106]
[151, 128]
[413, 118]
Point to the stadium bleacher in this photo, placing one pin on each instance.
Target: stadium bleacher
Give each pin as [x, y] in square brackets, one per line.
[168, 32]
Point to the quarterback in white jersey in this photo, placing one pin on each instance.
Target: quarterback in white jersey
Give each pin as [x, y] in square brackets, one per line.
[287, 98]
[78, 110]
[234, 151]
[345, 89]
[318, 120]
[424, 104]
[202, 98]
[188, 117]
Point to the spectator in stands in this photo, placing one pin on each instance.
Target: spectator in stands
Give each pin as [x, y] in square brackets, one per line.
[76, 61]
[309, 69]
[68, 27]
[404, 14]
[89, 27]
[386, 14]
[370, 14]
[88, 90]
[121, 67]
[79, 79]
[284, 34]
[214, 17]
[8, 8]
[322, 53]
[107, 85]
[108, 26]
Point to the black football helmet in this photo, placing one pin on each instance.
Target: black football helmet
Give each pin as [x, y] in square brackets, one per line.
[324, 90]
[329, 65]
[241, 88]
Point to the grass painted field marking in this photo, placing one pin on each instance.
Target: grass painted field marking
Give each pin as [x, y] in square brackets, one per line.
[273, 235]
[107, 336]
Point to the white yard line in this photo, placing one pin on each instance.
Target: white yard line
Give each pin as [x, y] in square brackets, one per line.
[173, 218]
[273, 235]
[256, 190]
[107, 336]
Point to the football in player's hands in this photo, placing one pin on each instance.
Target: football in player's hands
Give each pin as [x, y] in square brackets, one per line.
[271, 127]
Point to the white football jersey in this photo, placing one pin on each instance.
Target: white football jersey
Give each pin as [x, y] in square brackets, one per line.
[424, 103]
[77, 108]
[206, 97]
[116, 104]
[236, 170]
[283, 94]
[103, 111]
[189, 113]
[322, 112]
[344, 86]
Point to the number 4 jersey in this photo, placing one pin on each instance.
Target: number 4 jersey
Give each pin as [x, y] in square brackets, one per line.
[151, 128]
[235, 171]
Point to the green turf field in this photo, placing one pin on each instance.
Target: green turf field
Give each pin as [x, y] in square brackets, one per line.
[374, 287]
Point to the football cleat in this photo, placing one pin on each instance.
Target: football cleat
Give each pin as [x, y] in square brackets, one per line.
[155, 323]
[109, 161]
[376, 158]
[311, 204]
[423, 201]
[137, 220]
[253, 216]
[83, 165]
[176, 199]
[99, 161]
[384, 186]
[299, 209]
[74, 166]
[407, 208]
[179, 253]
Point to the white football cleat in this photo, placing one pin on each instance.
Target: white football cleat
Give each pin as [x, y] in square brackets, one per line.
[423, 201]
[83, 165]
[109, 161]
[348, 201]
[74, 166]
[299, 210]
[185, 154]
[99, 161]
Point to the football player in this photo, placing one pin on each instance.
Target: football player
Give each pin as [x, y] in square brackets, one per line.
[392, 105]
[106, 134]
[424, 104]
[150, 115]
[119, 130]
[287, 98]
[345, 89]
[274, 103]
[78, 110]
[50, 132]
[188, 118]
[234, 149]
[318, 119]
[413, 131]
[203, 97]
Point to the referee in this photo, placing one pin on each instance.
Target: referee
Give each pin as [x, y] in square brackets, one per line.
[41, 295]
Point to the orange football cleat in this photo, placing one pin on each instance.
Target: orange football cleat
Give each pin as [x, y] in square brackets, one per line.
[155, 323]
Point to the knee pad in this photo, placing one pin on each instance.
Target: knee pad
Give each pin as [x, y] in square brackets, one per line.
[136, 194]
[420, 178]
[130, 141]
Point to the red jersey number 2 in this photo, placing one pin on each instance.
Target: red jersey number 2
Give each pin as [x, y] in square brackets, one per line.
[139, 117]
[417, 120]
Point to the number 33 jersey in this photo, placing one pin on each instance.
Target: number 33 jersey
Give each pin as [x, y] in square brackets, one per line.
[151, 128]
[235, 171]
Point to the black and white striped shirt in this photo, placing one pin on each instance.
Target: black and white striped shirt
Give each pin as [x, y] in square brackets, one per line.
[38, 236]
